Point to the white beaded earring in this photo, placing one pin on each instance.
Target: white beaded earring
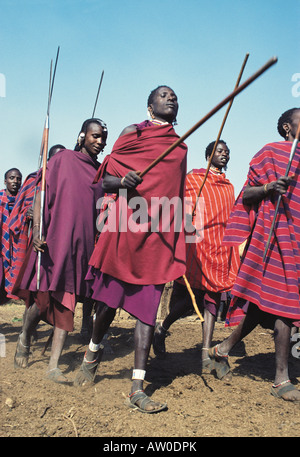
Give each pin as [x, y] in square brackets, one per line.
[150, 115]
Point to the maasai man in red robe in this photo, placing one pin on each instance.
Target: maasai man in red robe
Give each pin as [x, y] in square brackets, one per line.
[68, 241]
[20, 220]
[268, 291]
[134, 259]
[211, 267]
[13, 181]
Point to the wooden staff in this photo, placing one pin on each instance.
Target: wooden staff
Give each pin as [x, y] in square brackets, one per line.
[192, 298]
[233, 94]
[292, 153]
[220, 133]
[100, 83]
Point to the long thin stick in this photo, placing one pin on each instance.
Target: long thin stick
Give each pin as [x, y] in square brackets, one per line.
[42, 192]
[193, 298]
[205, 177]
[98, 94]
[233, 94]
[43, 182]
[292, 153]
[220, 133]
[52, 79]
[51, 85]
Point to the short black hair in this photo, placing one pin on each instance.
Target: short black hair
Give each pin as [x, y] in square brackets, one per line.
[209, 149]
[285, 118]
[153, 93]
[53, 149]
[11, 169]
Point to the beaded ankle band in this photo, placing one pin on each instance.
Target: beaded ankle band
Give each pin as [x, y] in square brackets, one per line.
[281, 383]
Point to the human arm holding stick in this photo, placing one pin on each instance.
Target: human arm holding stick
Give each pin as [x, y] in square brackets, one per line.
[292, 133]
[38, 243]
[255, 194]
[113, 183]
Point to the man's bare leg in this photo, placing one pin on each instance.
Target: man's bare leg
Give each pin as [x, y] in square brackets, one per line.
[58, 341]
[208, 329]
[178, 308]
[103, 317]
[30, 322]
[143, 336]
[282, 332]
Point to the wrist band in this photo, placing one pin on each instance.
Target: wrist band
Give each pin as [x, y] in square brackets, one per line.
[138, 374]
[94, 347]
[265, 189]
[36, 225]
[122, 181]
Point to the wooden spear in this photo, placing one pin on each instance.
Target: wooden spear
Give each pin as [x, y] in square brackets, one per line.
[43, 158]
[233, 94]
[220, 133]
[51, 85]
[100, 83]
[292, 153]
[48, 108]
[43, 181]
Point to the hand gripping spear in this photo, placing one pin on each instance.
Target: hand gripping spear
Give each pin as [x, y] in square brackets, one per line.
[43, 155]
[219, 134]
[292, 153]
[230, 97]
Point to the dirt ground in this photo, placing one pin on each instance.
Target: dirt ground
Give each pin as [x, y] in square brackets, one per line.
[198, 405]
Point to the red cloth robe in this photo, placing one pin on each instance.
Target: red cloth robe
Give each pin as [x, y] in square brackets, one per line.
[145, 256]
[210, 265]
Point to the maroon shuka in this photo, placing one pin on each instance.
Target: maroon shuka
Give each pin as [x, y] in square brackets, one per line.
[69, 225]
[145, 256]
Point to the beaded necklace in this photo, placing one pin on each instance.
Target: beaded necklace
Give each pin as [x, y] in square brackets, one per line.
[157, 122]
[215, 170]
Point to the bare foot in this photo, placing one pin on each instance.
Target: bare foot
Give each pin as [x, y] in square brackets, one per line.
[22, 354]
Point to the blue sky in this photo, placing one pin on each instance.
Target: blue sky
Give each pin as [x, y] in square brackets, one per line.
[197, 47]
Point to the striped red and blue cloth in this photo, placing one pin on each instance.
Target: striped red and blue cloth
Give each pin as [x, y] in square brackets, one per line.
[6, 204]
[18, 226]
[272, 285]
